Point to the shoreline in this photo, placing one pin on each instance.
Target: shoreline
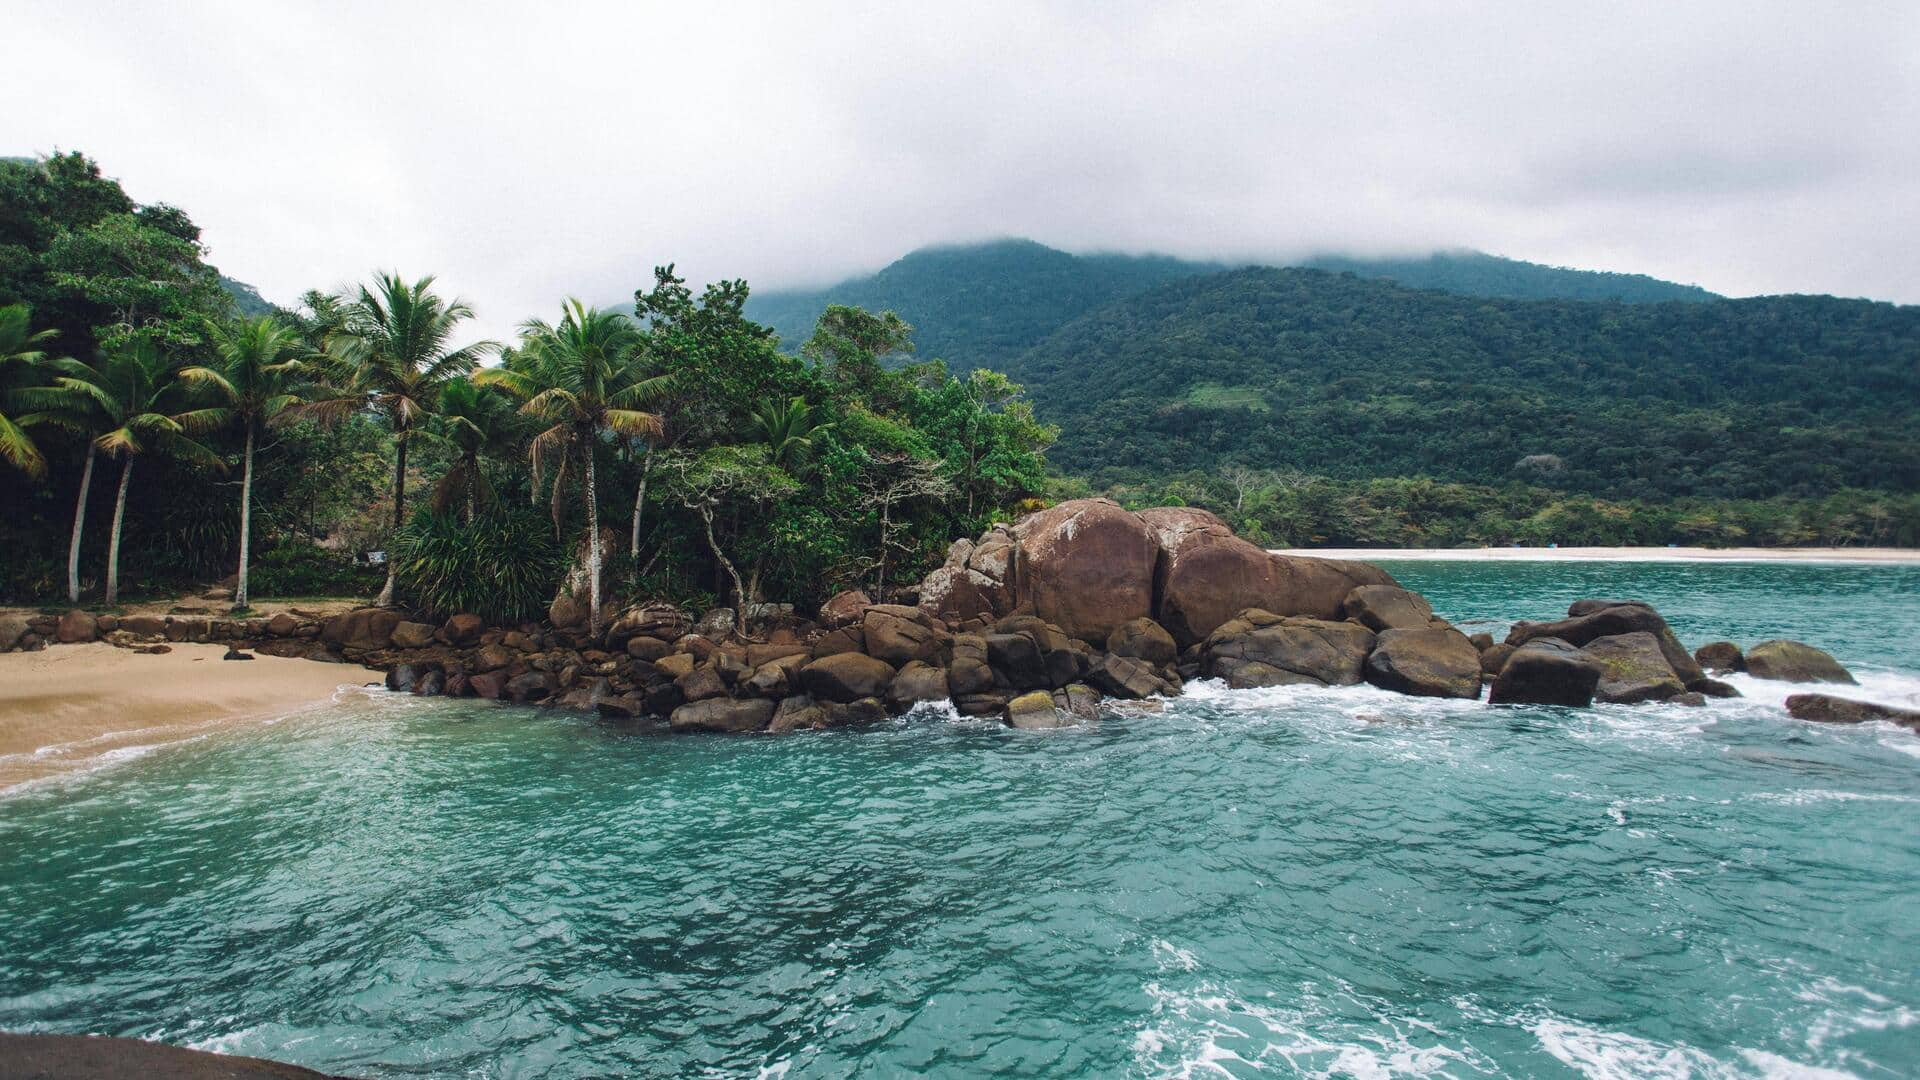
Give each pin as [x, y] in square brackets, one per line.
[1829, 555]
[67, 708]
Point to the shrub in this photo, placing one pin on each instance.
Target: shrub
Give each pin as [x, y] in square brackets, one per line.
[300, 569]
[504, 566]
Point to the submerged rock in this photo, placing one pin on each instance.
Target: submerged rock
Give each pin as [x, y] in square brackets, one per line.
[1827, 709]
[723, 714]
[1036, 710]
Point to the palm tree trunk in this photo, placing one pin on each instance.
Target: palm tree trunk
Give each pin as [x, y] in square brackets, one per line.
[246, 522]
[113, 544]
[593, 551]
[385, 598]
[79, 520]
[640, 501]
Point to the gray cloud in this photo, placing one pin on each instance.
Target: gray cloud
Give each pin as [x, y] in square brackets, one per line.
[526, 153]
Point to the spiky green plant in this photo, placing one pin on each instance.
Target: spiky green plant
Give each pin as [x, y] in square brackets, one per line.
[501, 566]
[22, 359]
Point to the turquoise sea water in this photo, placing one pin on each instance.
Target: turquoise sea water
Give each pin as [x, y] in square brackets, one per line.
[1288, 882]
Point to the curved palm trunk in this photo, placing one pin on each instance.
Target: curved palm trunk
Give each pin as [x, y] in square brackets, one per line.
[246, 522]
[399, 516]
[593, 550]
[113, 544]
[79, 520]
[640, 502]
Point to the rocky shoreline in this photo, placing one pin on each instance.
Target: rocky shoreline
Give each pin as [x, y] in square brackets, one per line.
[1035, 623]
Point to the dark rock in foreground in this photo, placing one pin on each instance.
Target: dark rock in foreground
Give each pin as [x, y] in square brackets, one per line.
[1545, 671]
[1425, 663]
[1633, 669]
[1827, 709]
[31, 1057]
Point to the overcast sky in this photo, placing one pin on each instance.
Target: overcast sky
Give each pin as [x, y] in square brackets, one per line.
[528, 152]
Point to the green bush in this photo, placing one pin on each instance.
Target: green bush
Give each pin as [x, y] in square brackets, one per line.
[504, 566]
[300, 569]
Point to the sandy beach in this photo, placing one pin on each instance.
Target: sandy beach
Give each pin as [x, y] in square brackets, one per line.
[1625, 554]
[65, 707]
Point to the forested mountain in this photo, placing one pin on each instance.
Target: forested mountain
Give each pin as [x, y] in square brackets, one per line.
[977, 305]
[1350, 378]
[247, 301]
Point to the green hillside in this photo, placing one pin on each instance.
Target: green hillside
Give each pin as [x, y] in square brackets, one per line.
[1475, 273]
[1349, 378]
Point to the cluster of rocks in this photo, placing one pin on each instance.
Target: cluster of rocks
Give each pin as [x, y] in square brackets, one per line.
[1035, 623]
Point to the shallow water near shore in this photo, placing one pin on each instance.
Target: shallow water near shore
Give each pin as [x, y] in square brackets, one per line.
[1322, 882]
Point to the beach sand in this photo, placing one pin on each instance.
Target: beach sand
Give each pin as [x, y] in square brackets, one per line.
[1623, 554]
[71, 706]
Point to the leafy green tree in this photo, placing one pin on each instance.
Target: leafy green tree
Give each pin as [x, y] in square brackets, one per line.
[393, 353]
[480, 422]
[22, 359]
[850, 342]
[256, 380]
[136, 393]
[584, 377]
[789, 428]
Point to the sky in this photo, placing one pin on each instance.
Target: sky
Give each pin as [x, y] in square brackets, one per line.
[529, 152]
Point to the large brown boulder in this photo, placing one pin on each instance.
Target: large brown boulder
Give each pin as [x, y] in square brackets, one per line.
[723, 714]
[1086, 566]
[975, 582]
[1827, 709]
[102, 1056]
[361, 628]
[75, 626]
[1145, 639]
[665, 622]
[1594, 622]
[1036, 710]
[1544, 671]
[1258, 648]
[1387, 607]
[970, 672]
[12, 629]
[1633, 669]
[1425, 663]
[844, 608]
[463, 629]
[1128, 677]
[1720, 657]
[1793, 661]
[899, 635]
[917, 682]
[412, 635]
[845, 677]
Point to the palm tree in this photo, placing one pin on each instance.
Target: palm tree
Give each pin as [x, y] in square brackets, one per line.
[480, 422]
[391, 343]
[21, 360]
[256, 381]
[584, 377]
[788, 429]
[128, 392]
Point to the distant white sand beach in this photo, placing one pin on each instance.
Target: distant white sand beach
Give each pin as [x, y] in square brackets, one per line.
[1623, 554]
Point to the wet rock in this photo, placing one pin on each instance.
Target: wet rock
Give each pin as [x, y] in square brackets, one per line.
[1714, 688]
[1545, 671]
[917, 682]
[463, 629]
[1493, 659]
[1035, 710]
[1327, 653]
[1080, 701]
[1720, 657]
[1613, 621]
[1016, 659]
[1827, 709]
[411, 635]
[1128, 677]
[1588, 607]
[1387, 607]
[846, 677]
[400, 679]
[1425, 663]
[1793, 661]
[866, 710]
[1691, 697]
[798, 712]
[1481, 641]
[532, 686]
[1143, 639]
[1633, 669]
[234, 653]
[431, 683]
[490, 685]
[969, 672]
[723, 714]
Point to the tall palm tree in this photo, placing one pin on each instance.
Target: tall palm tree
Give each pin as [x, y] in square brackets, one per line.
[22, 356]
[480, 422]
[128, 392]
[392, 345]
[788, 429]
[256, 381]
[584, 377]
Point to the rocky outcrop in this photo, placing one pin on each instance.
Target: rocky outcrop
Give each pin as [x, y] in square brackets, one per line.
[1792, 661]
[1086, 566]
[1633, 669]
[104, 1058]
[1143, 639]
[1591, 619]
[1826, 709]
[1258, 648]
[1720, 657]
[723, 714]
[1544, 671]
[847, 676]
[362, 628]
[1425, 663]
[1387, 607]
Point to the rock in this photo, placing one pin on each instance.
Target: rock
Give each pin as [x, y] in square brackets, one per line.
[723, 714]
[798, 712]
[489, 685]
[718, 624]
[12, 629]
[845, 639]
[532, 686]
[1062, 659]
[1827, 709]
[1016, 659]
[234, 653]
[845, 677]
[1387, 607]
[969, 672]
[1612, 621]
[431, 683]
[647, 648]
[412, 635]
[491, 658]
[675, 665]
[463, 629]
[621, 706]
[1481, 641]
[702, 683]
[844, 609]
[1715, 688]
[106, 624]
[976, 580]
[661, 698]
[400, 679]
[866, 710]
[1633, 668]
[1425, 663]
[775, 678]
[567, 612]
[665, 622]
[1545, 671]
[917, 682]
[986, 704]
[1145, 639]
[1692, 697]
[76, 626]
[1080, 701]
[100, 1056]
[765, 654]
[1588, 607]
[1035, 710]
[1493, 659]
[1310, 650]
[1793, 661]
[1128, 677]
[900, 634]
[149, 627]
[1086, 566]
[518, 641]
[1720, 657]
[361, 628]
[283, 625]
